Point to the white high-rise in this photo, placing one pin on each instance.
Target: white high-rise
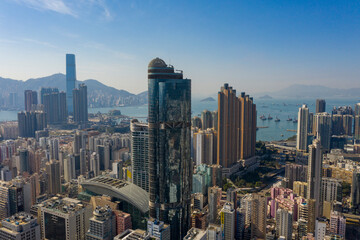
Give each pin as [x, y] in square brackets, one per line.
[302, 129]
[284, 223]
[139, 156]
[227, 216]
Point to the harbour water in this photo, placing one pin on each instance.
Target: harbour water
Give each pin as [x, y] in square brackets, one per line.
[269, 130]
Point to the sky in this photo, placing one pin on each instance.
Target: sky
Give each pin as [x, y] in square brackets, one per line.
[255, 46]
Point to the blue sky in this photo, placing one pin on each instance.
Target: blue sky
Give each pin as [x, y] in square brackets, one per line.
[254, 45]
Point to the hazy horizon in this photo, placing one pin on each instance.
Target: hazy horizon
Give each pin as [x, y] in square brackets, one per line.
[255, 46]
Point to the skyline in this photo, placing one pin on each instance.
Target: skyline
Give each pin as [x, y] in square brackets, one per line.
[268, 46]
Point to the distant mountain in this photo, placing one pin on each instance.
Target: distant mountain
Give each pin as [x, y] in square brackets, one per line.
[99, 94]
[209, 99]
[265, 97]
[313, 91]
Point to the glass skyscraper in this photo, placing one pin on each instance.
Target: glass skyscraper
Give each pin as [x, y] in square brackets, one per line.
[70, 81]
[170, 164]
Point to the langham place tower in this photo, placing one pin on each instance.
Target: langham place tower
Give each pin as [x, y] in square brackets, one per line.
[170, 166]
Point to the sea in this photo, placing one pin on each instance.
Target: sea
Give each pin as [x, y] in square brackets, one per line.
[269, 130]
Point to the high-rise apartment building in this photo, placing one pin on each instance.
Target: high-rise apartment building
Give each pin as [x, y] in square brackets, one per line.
[30, 99]
[323, 129]
[30, 122]
[170, 164]
[295, 172]
[21, 226]
[284, 222]
[64, 219]
[320, 228]
[206, 119]
[337, 223]
[123, 221]
[331, 189]
[70, 81]
[102, 226]
[355, 190]
[302, 129]
[320, 105]
[213, 197]
[236, 127]
[54, 105]
[53, 173]
[80, 105]
[227, 219]
[357, 127]
[205, 147]
[315, 175]
[357, 109]
[196, 122]
[258, 216]
[139, 154]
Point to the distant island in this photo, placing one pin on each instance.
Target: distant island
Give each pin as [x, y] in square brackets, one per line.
[209, 99]
[265, 97]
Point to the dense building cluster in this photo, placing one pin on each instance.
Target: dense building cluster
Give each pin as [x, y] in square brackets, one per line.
[67, 174]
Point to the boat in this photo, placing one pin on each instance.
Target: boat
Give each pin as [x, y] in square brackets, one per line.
[295, 120]
[270, 117]
[289, 119]
[277, 119]
[262, 117]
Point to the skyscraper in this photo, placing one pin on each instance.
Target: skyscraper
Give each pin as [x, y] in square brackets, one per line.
[323, 129]
[320, 105]
[258, 216]
[80, 104]
[70, 81]
[355, 190]
[139, 156]
[284, 222]
[45, 90]
[236, 126]
[357, 127]
[227, 216]
[315, 175]
[30, 122]
[302, 129]
[53, 172]
[170, 165]
[30, 99]
[206, 119]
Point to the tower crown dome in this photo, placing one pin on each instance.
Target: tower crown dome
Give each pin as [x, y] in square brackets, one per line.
[157, 63]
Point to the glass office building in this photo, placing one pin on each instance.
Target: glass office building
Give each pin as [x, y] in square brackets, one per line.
[170, 164]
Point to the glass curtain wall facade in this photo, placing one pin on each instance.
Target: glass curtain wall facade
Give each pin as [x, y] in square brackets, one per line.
[170, 164]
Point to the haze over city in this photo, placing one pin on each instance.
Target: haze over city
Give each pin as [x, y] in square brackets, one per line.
[255, 46]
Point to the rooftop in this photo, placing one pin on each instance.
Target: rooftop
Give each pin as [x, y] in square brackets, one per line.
[123, 190]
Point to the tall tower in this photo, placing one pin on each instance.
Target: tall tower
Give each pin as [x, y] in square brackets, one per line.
[323, 129]
[80, 106]
[30, 99]
[355, 190]
[170, 165]
[139, 156]
[70, 81]
[236, 126]
[284, 222]
[320, 105]
[314, 175]
[302, 129]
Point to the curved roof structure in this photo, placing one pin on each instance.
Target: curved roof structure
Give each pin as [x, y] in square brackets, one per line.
[157, 63]
[120, 189]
